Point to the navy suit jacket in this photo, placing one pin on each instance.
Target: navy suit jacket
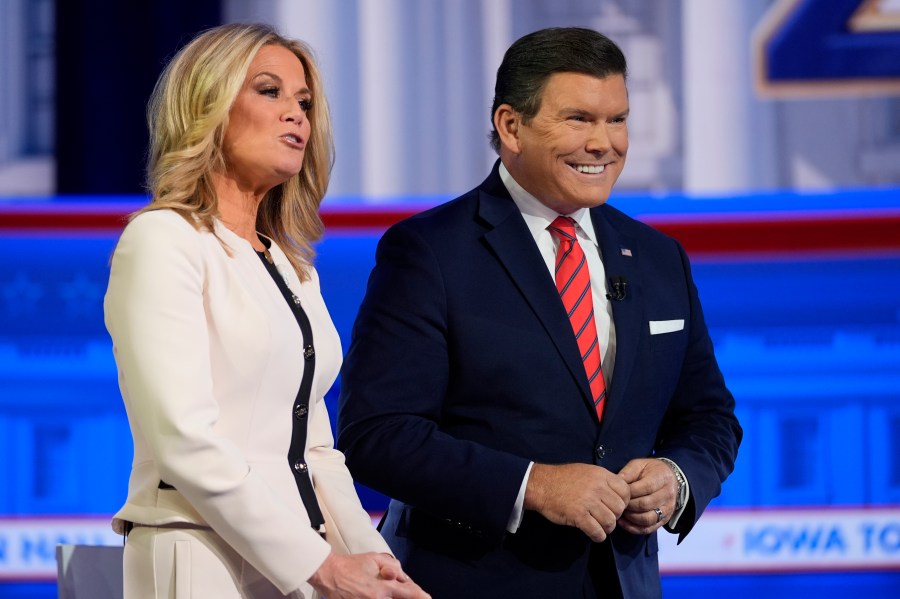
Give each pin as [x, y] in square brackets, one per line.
[464, 367]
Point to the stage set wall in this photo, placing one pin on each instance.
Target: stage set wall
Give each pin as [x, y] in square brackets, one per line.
[805, 328]
[801, 288]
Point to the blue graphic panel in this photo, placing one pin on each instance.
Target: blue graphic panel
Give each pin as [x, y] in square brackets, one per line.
[810, 348]
[815, 43]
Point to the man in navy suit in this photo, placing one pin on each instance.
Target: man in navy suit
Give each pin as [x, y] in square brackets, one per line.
[516, 466]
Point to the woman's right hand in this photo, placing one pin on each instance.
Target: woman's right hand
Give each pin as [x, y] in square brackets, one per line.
[364, 576]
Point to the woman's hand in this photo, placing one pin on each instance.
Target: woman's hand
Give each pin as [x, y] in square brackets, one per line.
[364, 576]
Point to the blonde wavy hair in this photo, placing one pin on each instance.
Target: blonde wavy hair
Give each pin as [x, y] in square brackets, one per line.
[187, 116]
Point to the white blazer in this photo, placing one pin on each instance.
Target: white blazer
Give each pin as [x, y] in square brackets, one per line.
[210, 360]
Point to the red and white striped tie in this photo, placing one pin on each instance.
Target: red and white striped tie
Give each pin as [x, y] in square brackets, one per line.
[573, 281]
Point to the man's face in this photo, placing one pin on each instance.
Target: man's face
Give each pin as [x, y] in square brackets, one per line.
[573, 150]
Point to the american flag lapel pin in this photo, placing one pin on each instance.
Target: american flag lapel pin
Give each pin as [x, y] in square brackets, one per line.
[626, 252]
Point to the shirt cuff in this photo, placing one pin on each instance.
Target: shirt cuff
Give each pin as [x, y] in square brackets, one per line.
[685, 495]
[515, 519]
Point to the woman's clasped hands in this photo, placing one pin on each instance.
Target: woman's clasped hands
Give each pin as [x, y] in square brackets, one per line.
[365, 576]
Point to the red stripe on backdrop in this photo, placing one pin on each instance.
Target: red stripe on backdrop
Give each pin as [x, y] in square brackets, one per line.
[699, 233]
[757, 233]
[114, 219]
[24, 220]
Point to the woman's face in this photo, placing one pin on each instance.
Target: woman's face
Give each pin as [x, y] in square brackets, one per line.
[267, 129]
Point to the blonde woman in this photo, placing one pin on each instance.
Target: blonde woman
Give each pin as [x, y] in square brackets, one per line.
[224, 346]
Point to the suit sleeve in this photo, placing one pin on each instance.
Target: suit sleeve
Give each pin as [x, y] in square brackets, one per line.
[394, 384]
[699, 432]
[154, 310]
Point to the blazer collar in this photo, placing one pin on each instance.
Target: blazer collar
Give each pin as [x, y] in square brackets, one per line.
[621, 258]
[512, 243]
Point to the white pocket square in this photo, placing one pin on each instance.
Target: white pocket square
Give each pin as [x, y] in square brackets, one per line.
[658, 327]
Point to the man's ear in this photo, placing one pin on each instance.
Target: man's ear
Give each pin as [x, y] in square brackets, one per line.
[508, 121]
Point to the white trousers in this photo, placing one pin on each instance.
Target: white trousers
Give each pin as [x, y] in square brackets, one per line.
[166, 563]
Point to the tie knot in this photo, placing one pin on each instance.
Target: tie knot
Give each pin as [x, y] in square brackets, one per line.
[563, 227]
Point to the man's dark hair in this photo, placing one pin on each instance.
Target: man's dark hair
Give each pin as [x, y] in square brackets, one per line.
[532, 59]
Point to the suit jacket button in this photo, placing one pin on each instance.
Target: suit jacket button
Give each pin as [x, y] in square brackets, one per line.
[300, 411]
[300, 467]
[309, 352]
[600, 452]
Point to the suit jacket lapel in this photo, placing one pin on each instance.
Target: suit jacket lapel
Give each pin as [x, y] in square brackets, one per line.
[512, 243]
[621, 258]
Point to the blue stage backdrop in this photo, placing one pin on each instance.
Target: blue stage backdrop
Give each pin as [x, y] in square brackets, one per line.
[801, 293]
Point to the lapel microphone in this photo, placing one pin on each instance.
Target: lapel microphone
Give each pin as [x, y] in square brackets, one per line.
[617, 288]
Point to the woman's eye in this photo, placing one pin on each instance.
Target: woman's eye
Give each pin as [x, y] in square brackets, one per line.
[272, 92]
[305, 105]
